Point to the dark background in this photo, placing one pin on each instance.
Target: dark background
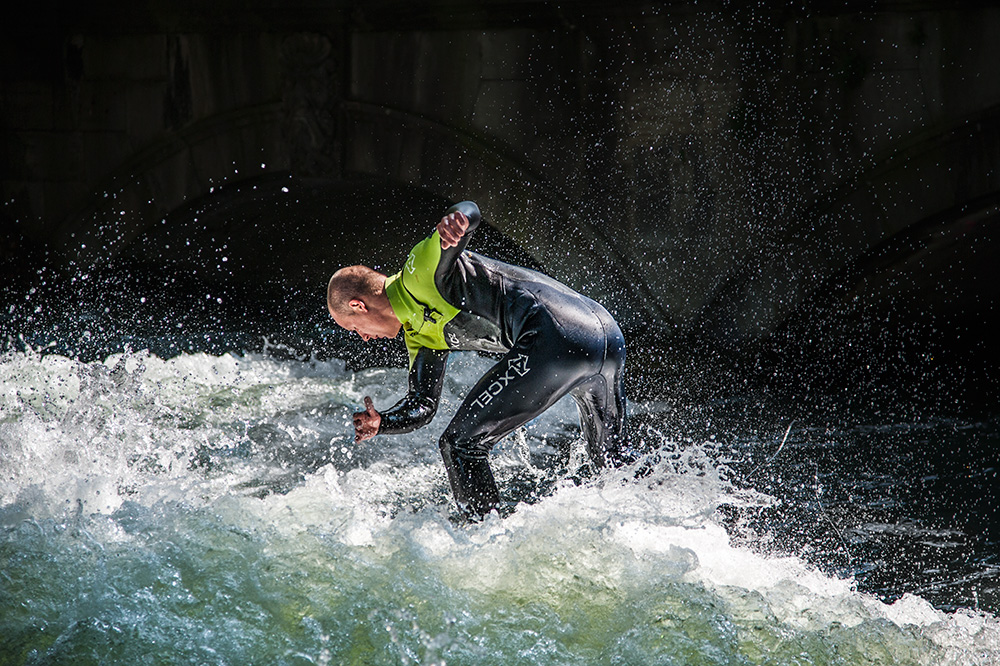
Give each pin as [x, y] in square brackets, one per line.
[794, 198]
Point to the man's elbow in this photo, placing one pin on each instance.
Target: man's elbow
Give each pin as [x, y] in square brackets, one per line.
[425, 414]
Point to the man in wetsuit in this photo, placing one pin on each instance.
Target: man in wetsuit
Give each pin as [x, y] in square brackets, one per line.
[554, 340]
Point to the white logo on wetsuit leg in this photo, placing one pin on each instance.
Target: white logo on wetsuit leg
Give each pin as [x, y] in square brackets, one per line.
[516, 367]
[453, 340]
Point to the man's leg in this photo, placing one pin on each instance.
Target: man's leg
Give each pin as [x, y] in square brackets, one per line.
[540, 370]
[602, 420]
[601, 402]
[471, 479]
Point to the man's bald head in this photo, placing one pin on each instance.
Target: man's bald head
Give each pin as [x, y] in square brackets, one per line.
[352, 282]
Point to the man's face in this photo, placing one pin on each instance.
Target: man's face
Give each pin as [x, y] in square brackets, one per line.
[369, 323]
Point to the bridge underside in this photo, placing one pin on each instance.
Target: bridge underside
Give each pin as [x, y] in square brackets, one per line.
[807, 197]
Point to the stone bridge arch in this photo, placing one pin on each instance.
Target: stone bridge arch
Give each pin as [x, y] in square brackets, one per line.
[630, 150]
[934, 193]
[182, 172]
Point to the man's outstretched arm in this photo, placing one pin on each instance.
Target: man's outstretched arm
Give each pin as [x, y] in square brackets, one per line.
[417, 407]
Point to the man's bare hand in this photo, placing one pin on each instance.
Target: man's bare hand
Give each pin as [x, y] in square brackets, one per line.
[366, 423]
[451, 229]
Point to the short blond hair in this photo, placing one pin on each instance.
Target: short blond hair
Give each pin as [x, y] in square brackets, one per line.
[352, 282]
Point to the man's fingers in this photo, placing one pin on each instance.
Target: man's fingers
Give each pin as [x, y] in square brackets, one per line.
[366, 422]
[451, 229]
[359, 429]
[457, 223]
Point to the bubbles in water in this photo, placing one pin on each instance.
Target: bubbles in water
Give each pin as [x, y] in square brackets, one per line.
[224, 497]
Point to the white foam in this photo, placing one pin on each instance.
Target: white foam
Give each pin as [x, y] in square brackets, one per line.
[92, 438]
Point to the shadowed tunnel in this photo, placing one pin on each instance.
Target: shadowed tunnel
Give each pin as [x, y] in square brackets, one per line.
[799, 200]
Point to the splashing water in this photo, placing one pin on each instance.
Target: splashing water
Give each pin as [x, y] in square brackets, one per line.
[215, 510]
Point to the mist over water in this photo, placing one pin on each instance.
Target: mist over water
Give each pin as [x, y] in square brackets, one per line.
[214, 509]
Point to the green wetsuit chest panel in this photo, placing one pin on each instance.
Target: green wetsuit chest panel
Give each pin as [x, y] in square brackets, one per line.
[416, 300]
[429, 320]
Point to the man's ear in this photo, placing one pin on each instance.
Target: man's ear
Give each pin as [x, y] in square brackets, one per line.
[357, 305]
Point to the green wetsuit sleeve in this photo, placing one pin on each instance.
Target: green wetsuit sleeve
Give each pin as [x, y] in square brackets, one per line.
[420, 403]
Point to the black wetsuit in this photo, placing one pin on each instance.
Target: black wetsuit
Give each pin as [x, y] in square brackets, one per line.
[555, 341]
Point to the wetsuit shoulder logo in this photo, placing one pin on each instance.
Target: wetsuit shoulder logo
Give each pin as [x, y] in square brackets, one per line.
[519, 365]
[411, 263]
[516, 367]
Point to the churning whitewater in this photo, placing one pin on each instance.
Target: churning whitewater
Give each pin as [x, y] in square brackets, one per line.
[216, 510]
